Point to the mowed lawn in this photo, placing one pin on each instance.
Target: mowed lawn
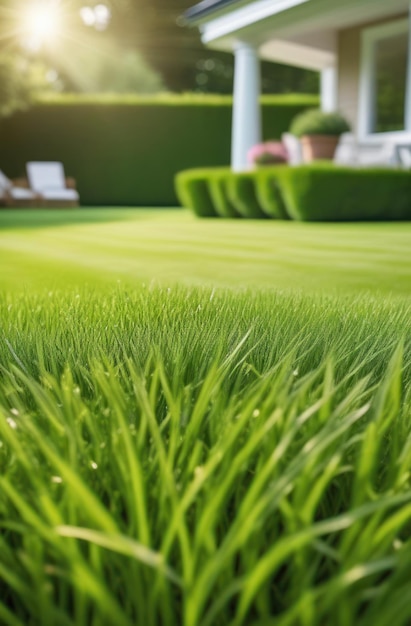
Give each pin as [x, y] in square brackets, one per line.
[42, 248]
[203, 422]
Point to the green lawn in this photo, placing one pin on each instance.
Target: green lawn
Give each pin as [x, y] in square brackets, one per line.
[203, 422]
[169, 246]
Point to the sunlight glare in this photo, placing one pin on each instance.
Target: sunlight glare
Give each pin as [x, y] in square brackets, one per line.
[88, 16]
[98, 16]
[42, 25]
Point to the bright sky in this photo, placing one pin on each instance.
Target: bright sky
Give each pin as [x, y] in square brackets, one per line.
[44, 22]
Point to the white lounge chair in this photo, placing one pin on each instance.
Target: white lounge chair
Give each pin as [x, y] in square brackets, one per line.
[15, 195]
[404, 154]
[48, 179]
[355, 154]
[293, 146]
[346, 151]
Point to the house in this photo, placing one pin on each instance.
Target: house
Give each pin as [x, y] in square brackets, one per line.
[362, 49]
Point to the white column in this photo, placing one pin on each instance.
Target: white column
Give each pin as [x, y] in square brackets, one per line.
[246, 127]
[329, 89]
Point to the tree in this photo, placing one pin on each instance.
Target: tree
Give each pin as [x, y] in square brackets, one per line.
[147, 42]
[178, 54]
[20, 80]
[112, 68]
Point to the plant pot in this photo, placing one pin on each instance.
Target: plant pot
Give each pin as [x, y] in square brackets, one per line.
[317, 147]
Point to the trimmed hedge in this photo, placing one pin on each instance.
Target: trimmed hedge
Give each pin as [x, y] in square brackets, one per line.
[241, 191]
[192, 188]
[315, 192]
[217, 186]
[126, 151]
[326, 192]
[219, 192]
[269, 194]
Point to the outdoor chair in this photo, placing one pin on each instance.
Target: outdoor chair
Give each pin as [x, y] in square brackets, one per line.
[350, 152]
[293, 146]
[355, 154]
[47, 178]
[380, 155]
[346, 151]
[404, 155]
[15, 193]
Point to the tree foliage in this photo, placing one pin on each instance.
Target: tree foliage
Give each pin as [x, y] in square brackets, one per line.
[184, 62]
[142, 48]
[20, 80]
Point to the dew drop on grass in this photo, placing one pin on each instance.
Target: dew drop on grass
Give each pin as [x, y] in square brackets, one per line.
[56, 479]
[14, 411]
[256, 412]
[397, 544]
[11, 422]
[93, 465]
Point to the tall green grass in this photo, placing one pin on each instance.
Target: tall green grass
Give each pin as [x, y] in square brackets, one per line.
[201, 457]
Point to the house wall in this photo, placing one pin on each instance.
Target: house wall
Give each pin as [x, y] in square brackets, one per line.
[349, 60]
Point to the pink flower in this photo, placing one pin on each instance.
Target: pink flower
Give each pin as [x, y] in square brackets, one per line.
[268, 153]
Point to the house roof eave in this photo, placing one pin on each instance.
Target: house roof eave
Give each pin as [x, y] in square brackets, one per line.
[205, 9]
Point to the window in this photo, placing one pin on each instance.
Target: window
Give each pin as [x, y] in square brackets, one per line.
[384, 79]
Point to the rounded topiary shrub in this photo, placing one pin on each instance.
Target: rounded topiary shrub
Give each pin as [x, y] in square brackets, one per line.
[316, 122]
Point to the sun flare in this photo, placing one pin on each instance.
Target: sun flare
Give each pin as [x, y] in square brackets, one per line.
[42, 24]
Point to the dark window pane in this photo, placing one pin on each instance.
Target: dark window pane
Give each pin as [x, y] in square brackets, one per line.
[390, 81]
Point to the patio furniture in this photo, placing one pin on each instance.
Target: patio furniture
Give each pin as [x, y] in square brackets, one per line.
[16, 193]
[48, 179]
[293, 146]
[346, 153]
[356, 154]
[404, 156]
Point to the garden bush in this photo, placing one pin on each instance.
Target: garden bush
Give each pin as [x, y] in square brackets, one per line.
[268, 192]
[319, 191]
[192, 188]
[217, 184]
[126, 150]
[317, 122]
[255, 194]
[241, 190]
[326, 192]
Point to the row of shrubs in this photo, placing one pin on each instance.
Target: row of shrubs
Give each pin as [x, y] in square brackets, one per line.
[319, 191]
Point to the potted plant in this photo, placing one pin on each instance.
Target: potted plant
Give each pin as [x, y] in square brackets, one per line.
[319, 133]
